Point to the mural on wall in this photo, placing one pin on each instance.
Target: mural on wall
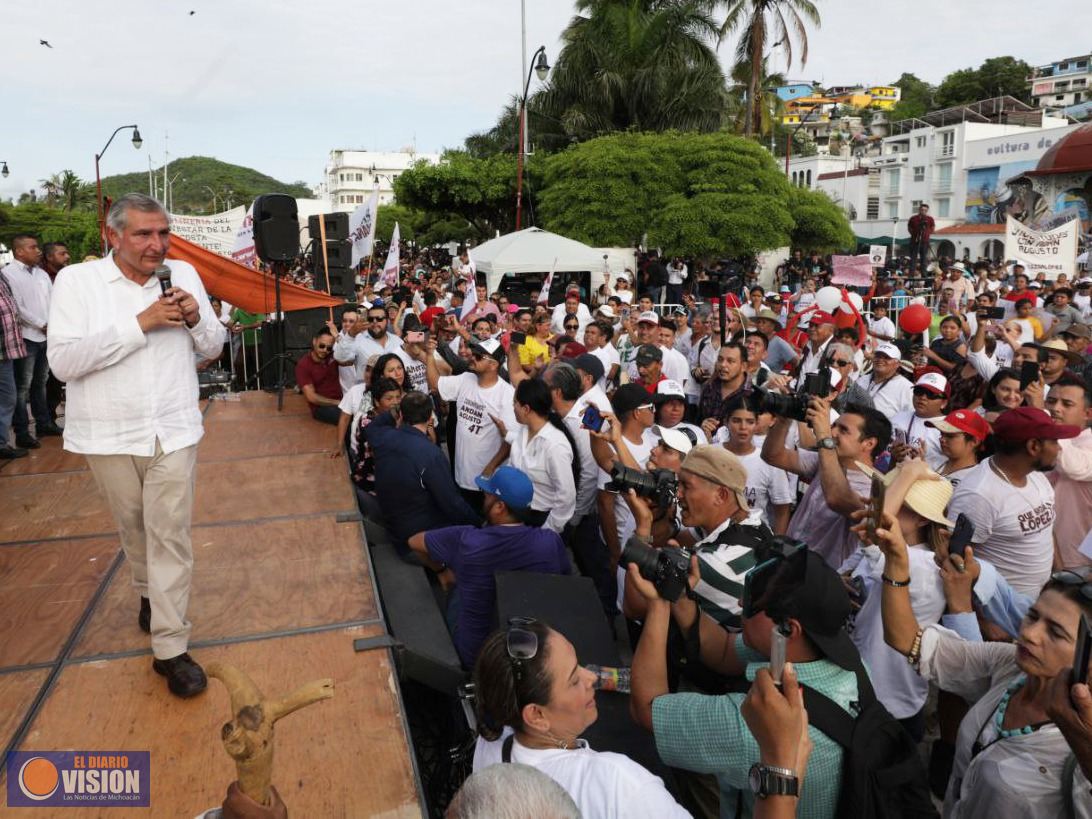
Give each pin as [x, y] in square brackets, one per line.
[990, 200]
[1072, 199]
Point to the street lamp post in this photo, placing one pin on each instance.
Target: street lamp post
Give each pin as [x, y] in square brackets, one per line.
[210, 190]
[137, 142]
[541, 68]
[4, 169]
[894, 227]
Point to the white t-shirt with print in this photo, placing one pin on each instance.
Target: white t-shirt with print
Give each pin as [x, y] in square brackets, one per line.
[1013, 525]
[476, 436]
[609, 356]
[765, 485]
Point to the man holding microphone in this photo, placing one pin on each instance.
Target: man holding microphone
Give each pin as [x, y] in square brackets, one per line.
[123, 334]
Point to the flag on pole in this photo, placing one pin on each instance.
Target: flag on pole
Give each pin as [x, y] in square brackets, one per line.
[544, 293]
[470, 301]
[362, 227]
[391, 267]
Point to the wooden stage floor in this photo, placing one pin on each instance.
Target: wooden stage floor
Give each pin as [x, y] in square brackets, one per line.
[281, 589]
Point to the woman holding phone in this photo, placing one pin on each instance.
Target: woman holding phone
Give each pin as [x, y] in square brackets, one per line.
[1011, 760]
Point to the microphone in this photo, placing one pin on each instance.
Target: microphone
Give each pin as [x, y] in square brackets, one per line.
[163, 273]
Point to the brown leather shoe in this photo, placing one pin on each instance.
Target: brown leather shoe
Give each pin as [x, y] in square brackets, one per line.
[144, 619]
[184, 677]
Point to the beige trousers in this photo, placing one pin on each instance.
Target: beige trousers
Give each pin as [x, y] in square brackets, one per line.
[151, 499]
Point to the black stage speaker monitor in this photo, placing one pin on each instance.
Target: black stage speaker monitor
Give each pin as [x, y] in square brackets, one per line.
[276, 228]
[337, 226]
[341, 281]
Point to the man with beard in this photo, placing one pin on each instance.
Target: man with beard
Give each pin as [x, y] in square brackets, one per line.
[355, 346]
[1009, 500]
[317, 378]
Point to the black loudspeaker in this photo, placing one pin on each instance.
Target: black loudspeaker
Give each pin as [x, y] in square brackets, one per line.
[299, 327]
[337, 226]
[341, 281]
[276, 228]
[338, 254]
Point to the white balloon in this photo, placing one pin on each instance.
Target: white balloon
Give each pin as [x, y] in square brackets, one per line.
[857, 301]
[828, 298]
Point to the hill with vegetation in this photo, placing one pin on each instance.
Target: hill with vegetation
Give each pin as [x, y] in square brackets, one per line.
[196, 180]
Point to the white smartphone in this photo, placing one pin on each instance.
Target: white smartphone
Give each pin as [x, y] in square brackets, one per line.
[777, 654]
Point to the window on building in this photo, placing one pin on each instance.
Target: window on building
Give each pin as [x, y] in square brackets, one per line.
[1079, 83]
[794, 177]
[809, 179]
[944, 175]
[892, 210]
[915, 204]
[947, 143]
[943, 207]
[919, 174]
[1059, 98]
[919, 141]
[872, 209]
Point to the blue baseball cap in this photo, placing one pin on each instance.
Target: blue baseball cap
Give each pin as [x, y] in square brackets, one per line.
[509, 484]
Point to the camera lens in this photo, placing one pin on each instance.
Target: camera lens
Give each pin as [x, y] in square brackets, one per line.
[646, 558]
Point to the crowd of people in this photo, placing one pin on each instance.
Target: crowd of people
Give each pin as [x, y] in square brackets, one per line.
[837, 517]
[802, 473]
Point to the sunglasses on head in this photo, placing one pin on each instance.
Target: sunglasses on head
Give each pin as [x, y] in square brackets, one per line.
[521, 643]
[1075, 577]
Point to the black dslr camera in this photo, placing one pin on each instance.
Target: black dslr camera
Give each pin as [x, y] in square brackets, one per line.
[814, 385]
[666, 569]
[659, 485]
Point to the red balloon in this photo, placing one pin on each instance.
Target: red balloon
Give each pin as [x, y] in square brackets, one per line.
[843, 319]
[915, 319]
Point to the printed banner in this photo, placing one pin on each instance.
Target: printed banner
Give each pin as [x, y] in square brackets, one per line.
[1051, 251]
[243, 250]
[390, 269]
[877, 255]
[855, 271]
[216, 232]
[362, 227]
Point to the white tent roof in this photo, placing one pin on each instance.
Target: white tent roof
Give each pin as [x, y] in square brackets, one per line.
[534, 250]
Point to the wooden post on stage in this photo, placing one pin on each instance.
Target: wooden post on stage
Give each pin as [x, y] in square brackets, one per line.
[248, 738]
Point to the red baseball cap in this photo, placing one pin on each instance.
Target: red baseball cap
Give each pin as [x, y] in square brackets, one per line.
[1027, 423]
[572, 350]
[820, 317]
[963, 421]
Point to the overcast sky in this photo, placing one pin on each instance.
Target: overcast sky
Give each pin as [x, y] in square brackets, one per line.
[275, 85]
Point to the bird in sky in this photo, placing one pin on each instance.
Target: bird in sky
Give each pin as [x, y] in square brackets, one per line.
[192, 13]
[45, 43]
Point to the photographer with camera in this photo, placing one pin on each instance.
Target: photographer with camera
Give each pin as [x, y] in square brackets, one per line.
[836, 481]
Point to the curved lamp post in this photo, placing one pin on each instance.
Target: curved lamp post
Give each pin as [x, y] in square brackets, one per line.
[4, 169]
[541, 68]
[137, 142]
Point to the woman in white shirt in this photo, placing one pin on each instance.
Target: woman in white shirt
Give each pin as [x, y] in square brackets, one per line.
[1011, 759]
[543, 447]
[533, 700]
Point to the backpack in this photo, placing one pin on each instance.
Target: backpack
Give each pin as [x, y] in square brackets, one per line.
[882, 775]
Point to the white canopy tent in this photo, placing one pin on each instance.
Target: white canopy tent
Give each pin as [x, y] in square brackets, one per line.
[534, 251]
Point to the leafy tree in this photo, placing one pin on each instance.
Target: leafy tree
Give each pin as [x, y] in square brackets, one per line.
[997, 76]
[959, 88]
[760, 22]
[821, 223]
[481, 191]
[649, 65]
[916, 99]
[694, 194]
[772, 108]
[50, 224]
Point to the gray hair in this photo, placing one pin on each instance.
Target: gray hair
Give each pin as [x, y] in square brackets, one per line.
[511, 791]
[117, 217]
[838, 348]
[702, 311]
[563, 376]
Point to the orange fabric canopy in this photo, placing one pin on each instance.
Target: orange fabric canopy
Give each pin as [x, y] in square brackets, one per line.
[242, 287]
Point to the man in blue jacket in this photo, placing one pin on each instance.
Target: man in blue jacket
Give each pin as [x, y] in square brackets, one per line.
[412, 477]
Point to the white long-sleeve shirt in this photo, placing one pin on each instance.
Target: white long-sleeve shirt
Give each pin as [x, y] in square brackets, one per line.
[127, 388]
[547, 459]
[31, 288]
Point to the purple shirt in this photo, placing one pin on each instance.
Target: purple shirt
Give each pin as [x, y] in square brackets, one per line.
[475, 555]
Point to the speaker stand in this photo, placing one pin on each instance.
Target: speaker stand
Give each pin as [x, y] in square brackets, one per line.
[280, 355]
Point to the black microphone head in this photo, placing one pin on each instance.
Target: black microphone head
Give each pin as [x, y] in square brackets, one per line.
[163, 273]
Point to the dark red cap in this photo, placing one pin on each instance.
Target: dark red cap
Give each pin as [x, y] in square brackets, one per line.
[1028, 423]
[820, 317]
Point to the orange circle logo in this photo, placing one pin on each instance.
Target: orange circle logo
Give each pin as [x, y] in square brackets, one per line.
[38, 778]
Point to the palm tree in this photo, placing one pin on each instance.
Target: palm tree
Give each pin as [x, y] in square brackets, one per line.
[772, 107]
[760, 22]
[643, 64]
[73, 191]
[52, 187]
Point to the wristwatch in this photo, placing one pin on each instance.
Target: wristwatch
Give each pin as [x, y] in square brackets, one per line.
[768, 780]
[827, 443]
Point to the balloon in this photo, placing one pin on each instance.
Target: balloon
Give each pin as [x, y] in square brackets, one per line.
[856, 300]
[843, 318]
[828, 298]
[915, 318]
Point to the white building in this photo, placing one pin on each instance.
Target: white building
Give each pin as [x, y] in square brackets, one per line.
[351, 175]
[956, 166]
[1061, 84]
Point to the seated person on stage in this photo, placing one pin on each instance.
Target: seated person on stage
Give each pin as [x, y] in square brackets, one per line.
[707, 734]
[468, 557]
[318, 379]
[413, 482]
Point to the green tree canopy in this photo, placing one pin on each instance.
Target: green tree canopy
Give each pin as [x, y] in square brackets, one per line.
[997, 76]
[916, 99]
[50, 224]
[693, 194]
[820, 223]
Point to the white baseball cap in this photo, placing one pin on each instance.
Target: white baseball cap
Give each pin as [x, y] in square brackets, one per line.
[650, 316]
[678, 439]
[888, 349]
[669, 388]
[606, 310]
[934, 382]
